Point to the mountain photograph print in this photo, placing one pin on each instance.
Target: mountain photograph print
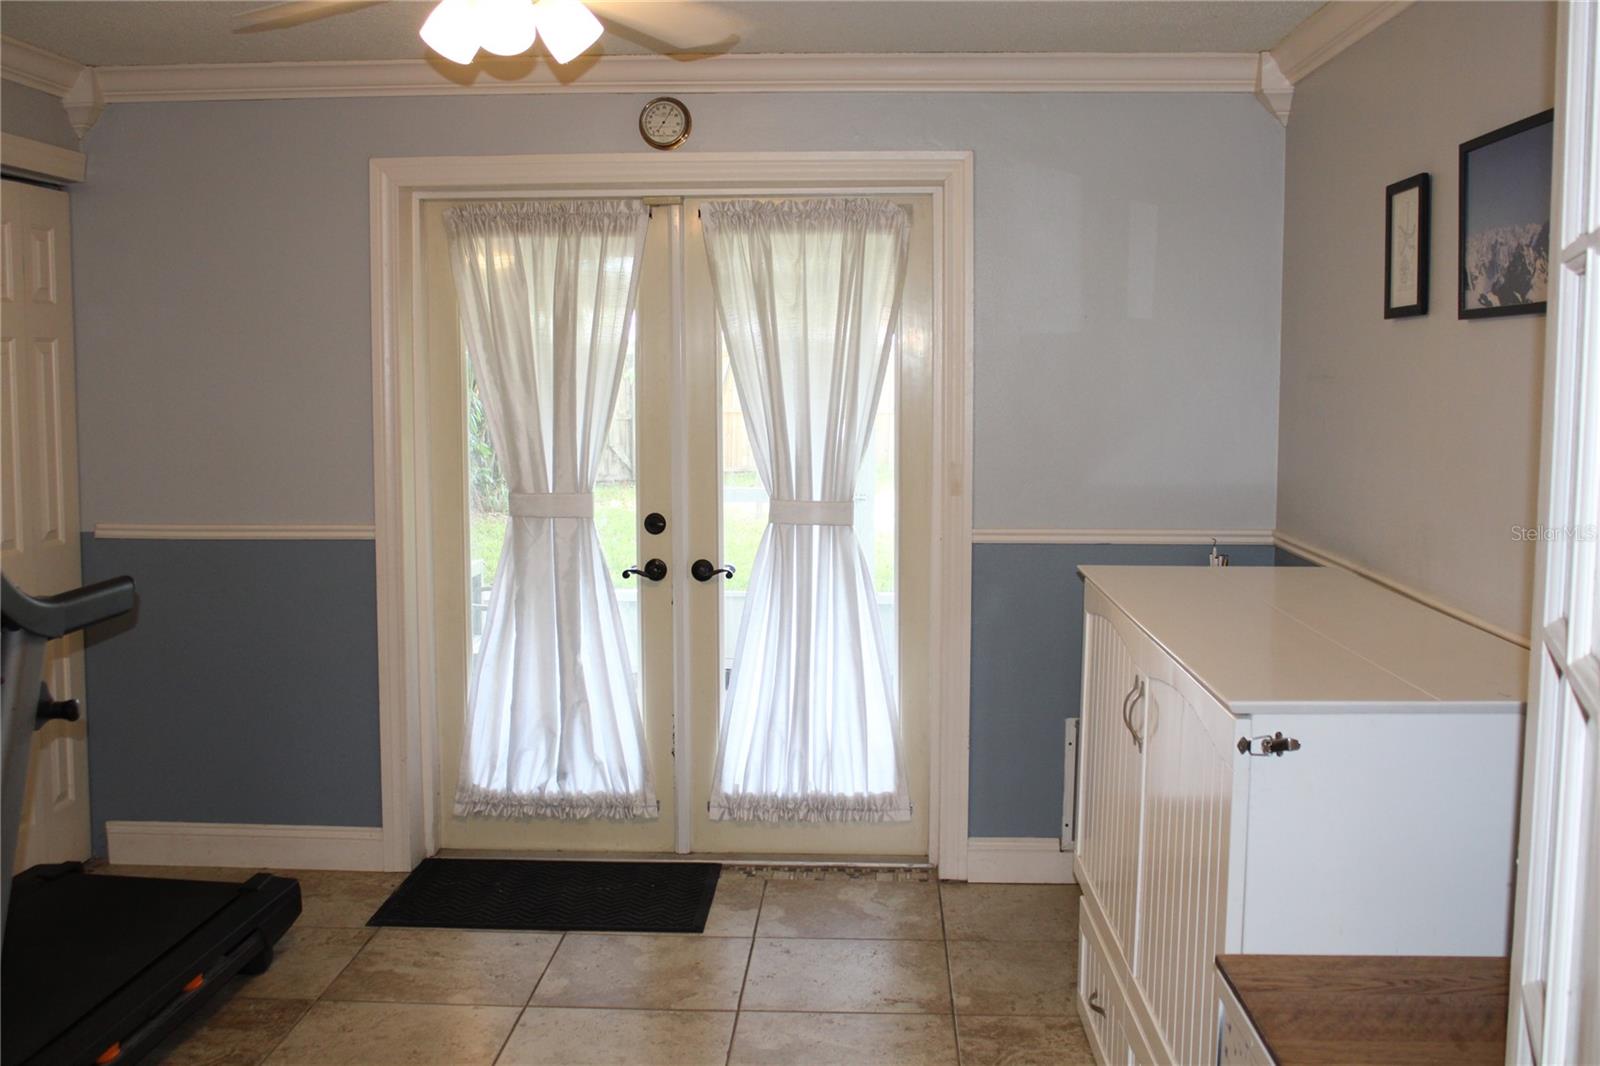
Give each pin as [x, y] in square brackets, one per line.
[1505, 220]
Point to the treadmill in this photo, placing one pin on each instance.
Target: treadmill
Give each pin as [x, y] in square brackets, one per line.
[94, 968]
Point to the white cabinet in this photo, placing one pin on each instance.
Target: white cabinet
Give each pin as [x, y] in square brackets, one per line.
[1389, 829]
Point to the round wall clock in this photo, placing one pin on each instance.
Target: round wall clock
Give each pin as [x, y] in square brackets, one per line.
[664, 123]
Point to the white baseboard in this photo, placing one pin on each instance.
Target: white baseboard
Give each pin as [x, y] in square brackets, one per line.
[281, 847]
[1018, 861]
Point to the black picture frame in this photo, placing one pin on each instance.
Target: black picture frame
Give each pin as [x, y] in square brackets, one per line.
[1537, 192]
[1423, 238]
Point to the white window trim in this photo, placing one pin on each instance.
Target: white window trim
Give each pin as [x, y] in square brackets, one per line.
[407, 706]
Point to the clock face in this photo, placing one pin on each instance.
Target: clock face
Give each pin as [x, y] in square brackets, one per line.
[664, 122]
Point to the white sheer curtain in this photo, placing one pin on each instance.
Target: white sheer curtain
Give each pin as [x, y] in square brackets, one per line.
[808, 297]
[546, 292]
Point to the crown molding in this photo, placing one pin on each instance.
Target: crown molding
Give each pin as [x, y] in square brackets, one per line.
[36, 68]
[968, 72]
[1330, 30]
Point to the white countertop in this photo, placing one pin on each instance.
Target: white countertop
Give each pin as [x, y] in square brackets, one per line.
[1298, 638]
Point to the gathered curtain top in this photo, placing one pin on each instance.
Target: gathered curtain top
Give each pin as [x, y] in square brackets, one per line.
[805, 214]
[499, 217]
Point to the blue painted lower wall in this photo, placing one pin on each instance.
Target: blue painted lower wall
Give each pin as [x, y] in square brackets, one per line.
[1027, 662]
[245, 690]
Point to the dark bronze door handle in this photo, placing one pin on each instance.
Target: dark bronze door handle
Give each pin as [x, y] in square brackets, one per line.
[705, 570]
[654, 570]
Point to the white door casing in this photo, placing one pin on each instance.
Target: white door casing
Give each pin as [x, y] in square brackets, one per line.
[39, 548]
[1555, 960]
[404, 532]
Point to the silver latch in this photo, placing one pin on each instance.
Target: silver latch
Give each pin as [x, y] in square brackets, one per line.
[1276, 744]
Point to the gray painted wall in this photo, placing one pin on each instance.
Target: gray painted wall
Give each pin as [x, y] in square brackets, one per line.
[245, 690]
[1411, 445]
[36, 115]
[1128, 251]
[1027, 668]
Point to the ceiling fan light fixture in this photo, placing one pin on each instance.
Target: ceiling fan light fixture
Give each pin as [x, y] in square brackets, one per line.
[568, 27]
[507, 27]
[452, 30]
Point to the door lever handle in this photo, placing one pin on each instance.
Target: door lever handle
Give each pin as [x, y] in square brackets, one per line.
[705, 570]
[653, 569]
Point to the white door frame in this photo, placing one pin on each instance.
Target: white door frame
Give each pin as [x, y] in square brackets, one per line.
[407, 703]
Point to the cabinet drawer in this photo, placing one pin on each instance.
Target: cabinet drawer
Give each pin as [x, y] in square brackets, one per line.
[1100, 1000]
[1238, 1042]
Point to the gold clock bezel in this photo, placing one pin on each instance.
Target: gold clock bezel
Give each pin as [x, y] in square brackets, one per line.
[688, 123]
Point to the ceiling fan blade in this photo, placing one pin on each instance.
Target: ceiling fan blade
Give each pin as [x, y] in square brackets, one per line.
[677, 27]
[295, 13]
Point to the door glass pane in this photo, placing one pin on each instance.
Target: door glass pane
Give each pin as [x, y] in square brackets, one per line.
[616, 503]
[616, 508]
[744, 512]
[487, 507]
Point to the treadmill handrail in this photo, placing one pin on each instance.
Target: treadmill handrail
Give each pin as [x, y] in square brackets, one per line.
[65, 612]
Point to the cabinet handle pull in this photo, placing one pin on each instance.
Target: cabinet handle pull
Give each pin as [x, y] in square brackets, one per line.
[1129, 702]
[1097, 1008]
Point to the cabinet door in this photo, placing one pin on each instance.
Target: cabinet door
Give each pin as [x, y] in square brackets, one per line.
[1183, 889]
[1110, 780]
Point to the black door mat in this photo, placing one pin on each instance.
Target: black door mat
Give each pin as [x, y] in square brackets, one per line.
[557, 895]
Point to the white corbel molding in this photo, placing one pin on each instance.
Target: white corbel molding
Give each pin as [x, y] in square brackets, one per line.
[84, 102]
[1275, 91]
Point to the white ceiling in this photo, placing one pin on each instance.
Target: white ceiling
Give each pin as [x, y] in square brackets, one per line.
[145, 32]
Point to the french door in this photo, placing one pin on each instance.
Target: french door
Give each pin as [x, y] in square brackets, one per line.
[677, 488]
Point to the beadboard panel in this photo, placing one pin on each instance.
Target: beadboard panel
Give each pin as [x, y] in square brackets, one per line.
[1027, 668]
[245, 689]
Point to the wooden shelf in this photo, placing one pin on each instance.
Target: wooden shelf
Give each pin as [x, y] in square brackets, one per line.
[1399, 1010]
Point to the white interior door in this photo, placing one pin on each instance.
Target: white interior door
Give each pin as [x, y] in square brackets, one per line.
[39, 548]
[675, 452]
[1555, 969]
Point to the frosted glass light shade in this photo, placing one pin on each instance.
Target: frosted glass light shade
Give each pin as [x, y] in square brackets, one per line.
[568, 28]
[452, 30]
[507, 27]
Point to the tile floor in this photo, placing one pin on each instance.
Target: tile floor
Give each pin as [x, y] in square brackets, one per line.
[849, 971]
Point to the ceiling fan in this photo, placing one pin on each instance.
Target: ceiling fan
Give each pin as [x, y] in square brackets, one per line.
[457, 29]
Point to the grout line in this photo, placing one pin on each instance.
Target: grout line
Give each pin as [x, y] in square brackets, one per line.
[739, 1009]
[276, 1044]
[949, 976]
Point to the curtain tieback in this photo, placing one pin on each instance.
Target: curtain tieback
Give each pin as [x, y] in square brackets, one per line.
[812, 512]
[552, 504]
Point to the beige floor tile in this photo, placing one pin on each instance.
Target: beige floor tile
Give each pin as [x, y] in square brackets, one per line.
[341, 897]
[1010, 912]
[575, 1036]
[305, 962]
[230, 1031]
[645, 972]
[988, 1041]
[1013, 978]
[733, 911]
[764, 1039]
[848, 975]
[851, 908]
[485, 967]
[392, 1034]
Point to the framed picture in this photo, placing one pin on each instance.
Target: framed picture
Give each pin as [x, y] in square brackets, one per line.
[1405, 247]
[1505, 220]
